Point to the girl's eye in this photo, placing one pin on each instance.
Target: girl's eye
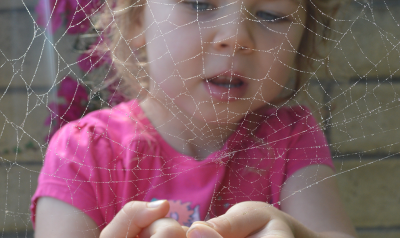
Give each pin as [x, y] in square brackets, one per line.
[199, 6]
[266, 16]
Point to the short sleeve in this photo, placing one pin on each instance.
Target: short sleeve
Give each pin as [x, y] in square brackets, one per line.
[75, 160]
[307, 143]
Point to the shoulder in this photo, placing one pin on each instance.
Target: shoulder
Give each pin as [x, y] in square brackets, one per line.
[97, 132]
[122, 116]
[296, 135]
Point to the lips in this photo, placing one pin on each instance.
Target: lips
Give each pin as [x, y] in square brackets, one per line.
[226, 82]
[226, 87]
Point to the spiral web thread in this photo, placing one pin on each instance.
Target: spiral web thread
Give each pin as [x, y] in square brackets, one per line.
[352, 91]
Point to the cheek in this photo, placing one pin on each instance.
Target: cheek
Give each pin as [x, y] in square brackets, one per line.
[293, 38]
[185, 48]
[160, 63]
[281, 63]
[286, 37]
[274, 82]
[173, 49]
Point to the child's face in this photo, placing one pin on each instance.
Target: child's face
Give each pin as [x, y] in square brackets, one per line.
[220, 59]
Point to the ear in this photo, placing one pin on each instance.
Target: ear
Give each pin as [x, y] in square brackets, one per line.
[136, 29]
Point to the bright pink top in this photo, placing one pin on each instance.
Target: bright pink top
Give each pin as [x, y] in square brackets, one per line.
[113, 156]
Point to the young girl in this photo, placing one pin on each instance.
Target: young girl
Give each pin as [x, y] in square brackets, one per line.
[209, 141]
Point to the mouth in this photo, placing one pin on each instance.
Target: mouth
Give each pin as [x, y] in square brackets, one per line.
[226, 87]
[226, 81]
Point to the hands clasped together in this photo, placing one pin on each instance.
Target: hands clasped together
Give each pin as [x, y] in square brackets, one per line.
[247, 219]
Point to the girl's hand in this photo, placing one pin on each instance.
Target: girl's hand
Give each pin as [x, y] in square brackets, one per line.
[246, 219]
[143, 219]
[164, 228]
[55, 218]
[255, 220]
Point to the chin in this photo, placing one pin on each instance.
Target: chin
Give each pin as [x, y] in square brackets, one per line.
[218, 114]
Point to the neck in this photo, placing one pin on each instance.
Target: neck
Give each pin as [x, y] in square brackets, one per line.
[188, 136]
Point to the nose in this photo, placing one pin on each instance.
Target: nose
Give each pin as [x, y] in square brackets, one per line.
[234, 35]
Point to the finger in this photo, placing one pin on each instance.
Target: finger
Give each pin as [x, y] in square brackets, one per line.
[185, 228]
[133, 217]
[163, 228]
[200, 230]
[275, 229]
[244, 219]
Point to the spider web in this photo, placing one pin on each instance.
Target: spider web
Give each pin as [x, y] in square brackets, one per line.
[50, 79]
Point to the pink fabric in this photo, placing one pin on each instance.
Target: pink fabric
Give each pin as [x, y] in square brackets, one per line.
[113, 156]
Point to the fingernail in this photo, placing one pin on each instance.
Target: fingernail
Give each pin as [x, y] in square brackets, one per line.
[185, 228]
[194, 233]
[204, 223]
[209, 224]
[155, 203]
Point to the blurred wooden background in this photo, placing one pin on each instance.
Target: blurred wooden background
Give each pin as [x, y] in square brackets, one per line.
[357, 104]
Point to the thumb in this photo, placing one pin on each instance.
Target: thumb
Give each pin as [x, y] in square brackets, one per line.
[133, 217]
[276, 228]
[202, 230]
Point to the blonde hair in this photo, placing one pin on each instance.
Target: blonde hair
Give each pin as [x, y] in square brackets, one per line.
[116, 20]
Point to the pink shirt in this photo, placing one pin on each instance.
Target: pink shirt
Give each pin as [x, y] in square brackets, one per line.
[113, 156]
